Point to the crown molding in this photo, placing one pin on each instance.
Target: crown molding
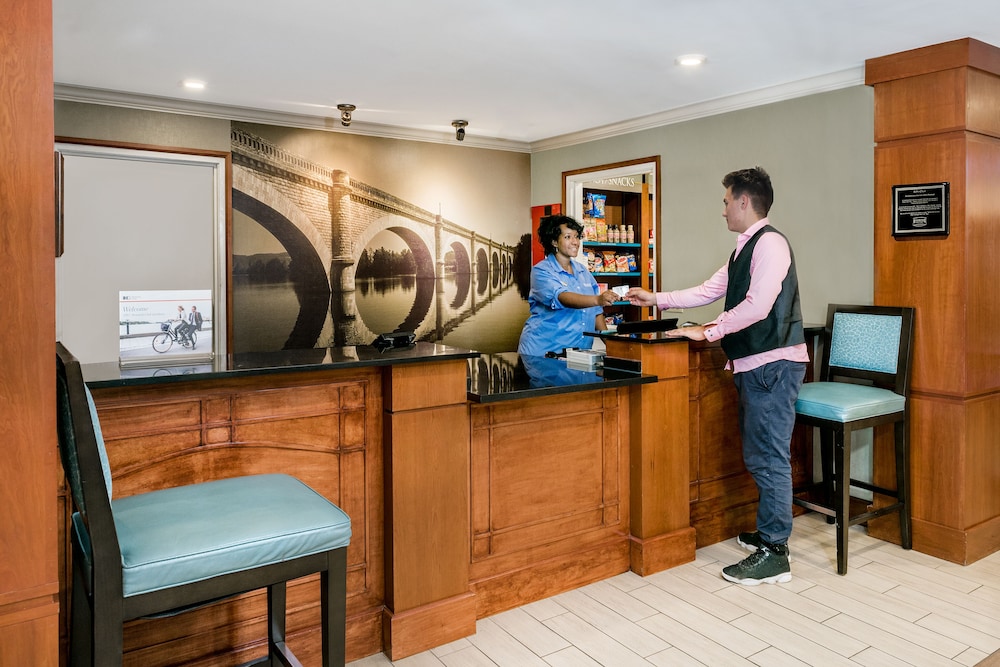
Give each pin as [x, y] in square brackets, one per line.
[69, 93]
[802, 88]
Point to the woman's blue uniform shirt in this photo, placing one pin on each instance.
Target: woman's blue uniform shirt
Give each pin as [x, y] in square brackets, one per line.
[551, 326]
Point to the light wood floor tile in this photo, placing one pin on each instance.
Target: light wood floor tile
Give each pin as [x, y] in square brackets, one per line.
[789, 641]
[693, 644]
[893, 608]
[425, 659]
[702, 577]
[469, 656]
[501, 648]
[674, 657]
[530, 631]
[704, 600]
[627, 581]
[619, 601]
[896, 646]
[544, 609]
[571, 657]
[862, 587]
[811, 630]
[613, 624]
[593, 642]
[873, 657]
[451, 647]
[965, 610]
[988, 642]
[989, 594]
[915, 571]
[772, 657]
[971, 657]
[700, 621]
[893, 625]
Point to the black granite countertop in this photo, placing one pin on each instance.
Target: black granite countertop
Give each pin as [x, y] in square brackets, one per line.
[508, 376]
[262, 363]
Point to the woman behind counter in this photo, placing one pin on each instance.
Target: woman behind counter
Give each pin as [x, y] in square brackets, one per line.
[564, 300]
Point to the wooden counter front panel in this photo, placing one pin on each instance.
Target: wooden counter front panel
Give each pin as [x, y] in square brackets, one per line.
[323, 428]
[549, 484]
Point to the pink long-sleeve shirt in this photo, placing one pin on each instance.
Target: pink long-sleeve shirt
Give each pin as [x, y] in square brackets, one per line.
[768, 267]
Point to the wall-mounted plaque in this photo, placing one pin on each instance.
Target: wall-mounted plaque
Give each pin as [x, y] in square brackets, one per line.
[920, 210]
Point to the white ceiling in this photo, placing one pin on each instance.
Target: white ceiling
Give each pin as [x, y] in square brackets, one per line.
[526, 74]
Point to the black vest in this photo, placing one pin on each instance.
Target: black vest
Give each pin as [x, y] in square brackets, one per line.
[783, 325]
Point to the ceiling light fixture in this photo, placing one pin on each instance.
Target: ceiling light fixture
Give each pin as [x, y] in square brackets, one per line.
[345, 113]
[191, 84]
[691, 60]
[459, 126]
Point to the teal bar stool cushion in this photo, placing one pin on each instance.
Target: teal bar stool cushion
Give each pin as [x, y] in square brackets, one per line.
[191, 533]
[845, 402]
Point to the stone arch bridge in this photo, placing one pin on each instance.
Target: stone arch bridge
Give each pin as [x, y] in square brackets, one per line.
[325, 220]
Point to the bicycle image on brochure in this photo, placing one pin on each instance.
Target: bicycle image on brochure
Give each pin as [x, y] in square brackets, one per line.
[164, 340]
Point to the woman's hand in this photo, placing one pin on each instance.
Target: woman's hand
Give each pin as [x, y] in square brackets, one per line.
[606, 298]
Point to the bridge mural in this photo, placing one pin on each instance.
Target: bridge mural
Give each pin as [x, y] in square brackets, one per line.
[325, 220]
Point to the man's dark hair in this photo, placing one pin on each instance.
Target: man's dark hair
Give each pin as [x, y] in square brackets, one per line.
[755, 183]
[548, 230]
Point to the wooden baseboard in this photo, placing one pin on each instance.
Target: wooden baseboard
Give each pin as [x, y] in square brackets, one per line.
[424, 627]
[540, 580]
[958, 546]
[662, 552]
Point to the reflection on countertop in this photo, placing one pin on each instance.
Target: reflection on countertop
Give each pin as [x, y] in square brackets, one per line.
[507, 375]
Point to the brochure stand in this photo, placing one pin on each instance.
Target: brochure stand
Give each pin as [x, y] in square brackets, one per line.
[165, 328]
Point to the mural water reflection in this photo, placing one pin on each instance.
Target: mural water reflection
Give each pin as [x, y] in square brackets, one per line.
[472, 312]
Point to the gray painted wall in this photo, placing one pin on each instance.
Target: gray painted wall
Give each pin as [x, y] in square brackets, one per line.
[819, 151]
[150, 128]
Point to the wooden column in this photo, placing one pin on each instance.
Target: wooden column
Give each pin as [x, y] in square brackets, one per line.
[937, 119]
[428, 600]
[662, 536]
[29, 585]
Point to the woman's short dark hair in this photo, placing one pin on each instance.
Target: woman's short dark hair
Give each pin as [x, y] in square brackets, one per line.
[548, 230]
[755, 183]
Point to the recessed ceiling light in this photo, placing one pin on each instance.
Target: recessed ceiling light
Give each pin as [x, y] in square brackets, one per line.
[691, 60]
[191, 84]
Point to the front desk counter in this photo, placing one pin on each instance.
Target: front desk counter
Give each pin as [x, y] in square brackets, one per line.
[384, 435]
[722, 495]
[475, 483]
[552, 455]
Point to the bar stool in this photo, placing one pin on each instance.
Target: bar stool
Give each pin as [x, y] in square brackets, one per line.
[176, 549]
[864, 382]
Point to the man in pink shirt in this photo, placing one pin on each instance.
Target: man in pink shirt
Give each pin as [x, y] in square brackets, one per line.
[760, 330]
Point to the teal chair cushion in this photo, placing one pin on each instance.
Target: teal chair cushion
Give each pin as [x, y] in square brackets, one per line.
[192, 533]
[846, 402]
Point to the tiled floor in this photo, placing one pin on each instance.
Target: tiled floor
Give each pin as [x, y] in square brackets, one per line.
[893, 608]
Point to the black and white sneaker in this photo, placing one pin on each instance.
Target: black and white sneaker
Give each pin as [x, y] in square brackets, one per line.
[767, 565]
